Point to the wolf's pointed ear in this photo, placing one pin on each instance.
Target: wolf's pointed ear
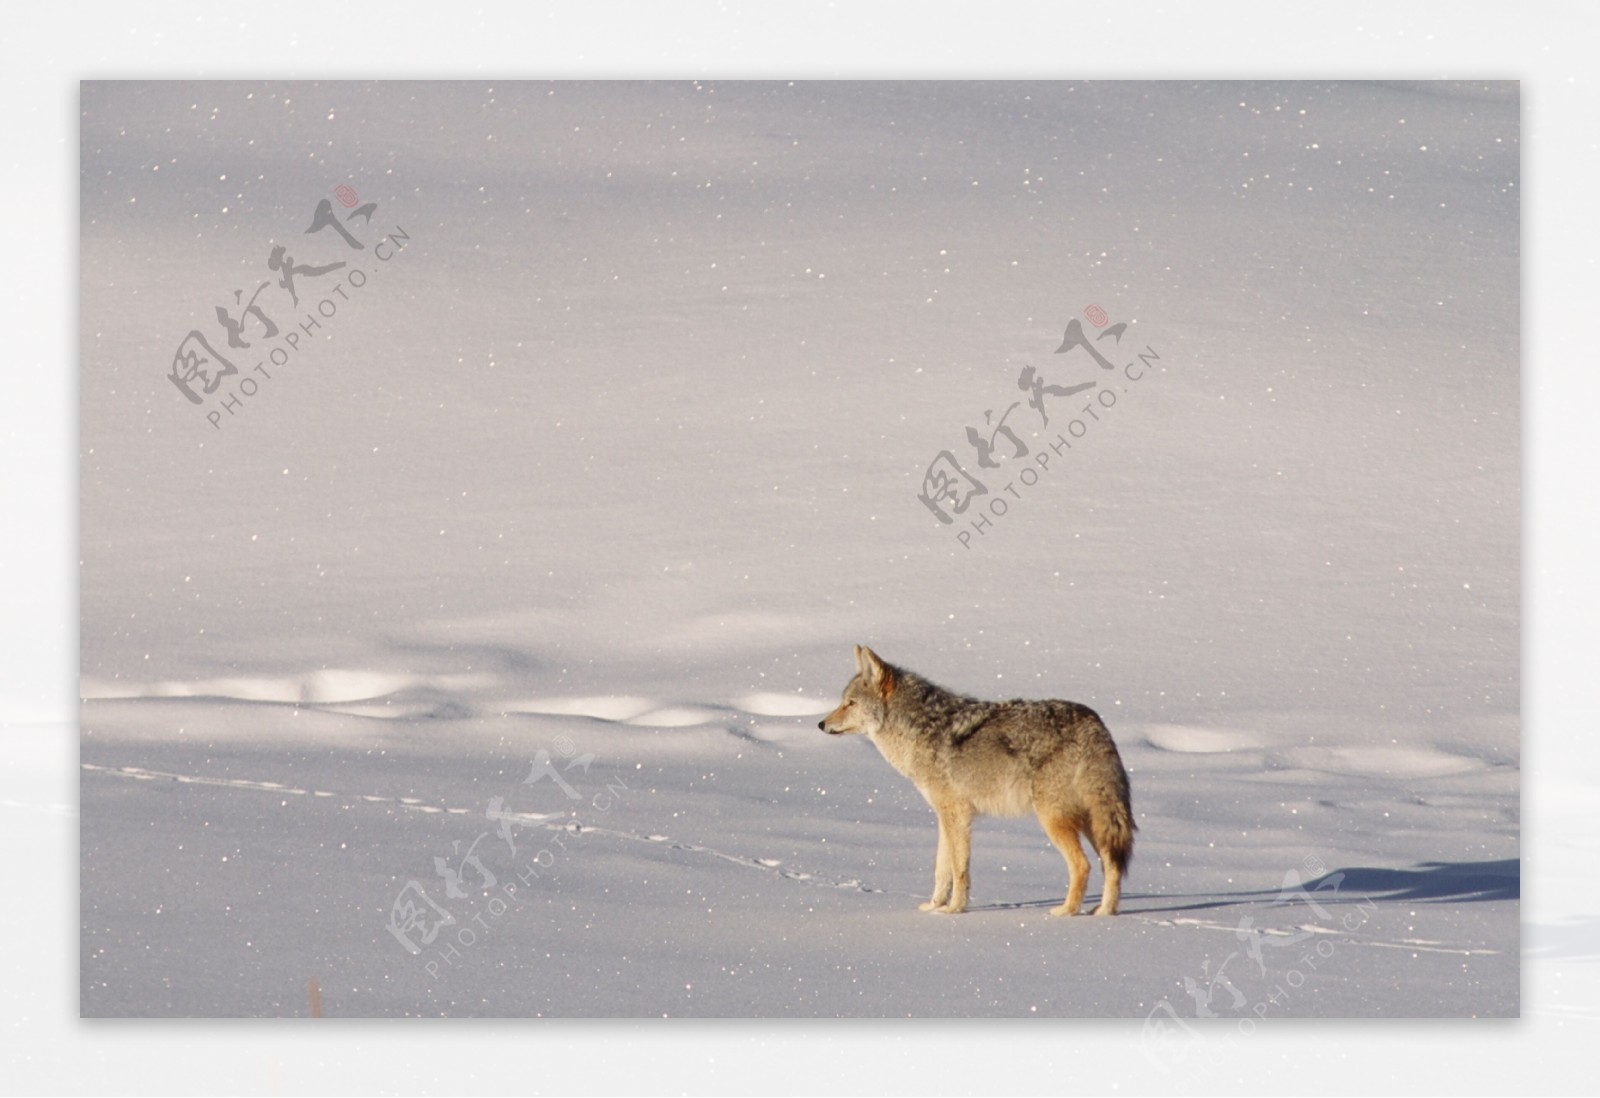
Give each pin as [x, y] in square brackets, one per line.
[861, 660]
[877, 673]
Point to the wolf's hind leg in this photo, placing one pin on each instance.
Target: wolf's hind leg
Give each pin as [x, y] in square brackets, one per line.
[1113, 890]
[1063, 831]
[1112, 835]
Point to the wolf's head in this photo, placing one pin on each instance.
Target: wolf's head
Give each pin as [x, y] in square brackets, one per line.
[865, 704]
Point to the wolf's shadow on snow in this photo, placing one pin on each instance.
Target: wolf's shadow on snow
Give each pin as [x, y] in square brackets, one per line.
[1429, 882]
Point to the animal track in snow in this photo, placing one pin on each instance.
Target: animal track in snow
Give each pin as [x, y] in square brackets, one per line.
[550, 821]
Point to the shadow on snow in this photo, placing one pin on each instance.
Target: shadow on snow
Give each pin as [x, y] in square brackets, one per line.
[1429, 882]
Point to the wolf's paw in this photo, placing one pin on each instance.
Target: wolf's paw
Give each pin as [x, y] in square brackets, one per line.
[1101, 909]
[930, 905]
[1064, 910]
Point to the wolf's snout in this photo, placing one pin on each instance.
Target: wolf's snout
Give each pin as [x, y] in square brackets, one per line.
[822, 725]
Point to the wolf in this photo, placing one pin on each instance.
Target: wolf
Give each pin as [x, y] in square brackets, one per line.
[969, 757]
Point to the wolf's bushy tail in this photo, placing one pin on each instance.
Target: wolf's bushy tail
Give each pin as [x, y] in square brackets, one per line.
[1112, 830]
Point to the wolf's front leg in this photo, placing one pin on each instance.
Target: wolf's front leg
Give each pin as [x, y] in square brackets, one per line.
[960, 848]
[941, 872]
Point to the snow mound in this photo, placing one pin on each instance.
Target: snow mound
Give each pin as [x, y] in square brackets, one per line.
[679, 716]
[782, 705]
[1189, 740]
[605, 708]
